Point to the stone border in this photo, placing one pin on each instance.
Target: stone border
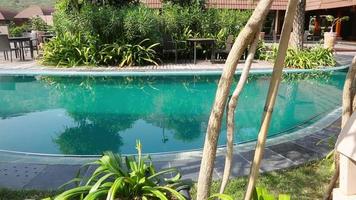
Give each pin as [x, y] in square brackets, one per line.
[205, 72]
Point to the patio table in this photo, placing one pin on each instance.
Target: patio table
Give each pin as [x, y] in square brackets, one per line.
[210, 41]
[20, 42]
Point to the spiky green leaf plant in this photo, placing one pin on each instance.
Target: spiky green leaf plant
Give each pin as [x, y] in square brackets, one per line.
[126, 178]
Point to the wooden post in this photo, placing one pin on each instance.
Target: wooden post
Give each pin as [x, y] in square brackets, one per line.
[213, 130]
[338, 25]
[276, 23]
[271, 96]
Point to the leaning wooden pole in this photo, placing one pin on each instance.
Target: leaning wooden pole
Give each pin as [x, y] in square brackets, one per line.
[209, 152]
[230, 113]
[348, 99]
[271, 96]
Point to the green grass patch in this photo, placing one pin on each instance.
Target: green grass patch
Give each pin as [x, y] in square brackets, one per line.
[305, 182]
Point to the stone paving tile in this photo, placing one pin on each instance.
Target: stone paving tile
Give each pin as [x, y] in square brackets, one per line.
[320, 146]
[190, 169]
[294, 152]
[326, 133]
[16, 176]
[240, 166]
[271, 160]
[53, 176]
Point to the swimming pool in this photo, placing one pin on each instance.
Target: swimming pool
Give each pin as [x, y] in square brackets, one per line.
[89, 115]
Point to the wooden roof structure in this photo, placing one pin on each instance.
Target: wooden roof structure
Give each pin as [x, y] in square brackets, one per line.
[276, 5]
[33, 11]
[328, 4]
[229, 4]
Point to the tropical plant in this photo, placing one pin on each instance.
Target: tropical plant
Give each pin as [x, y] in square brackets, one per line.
[38, 24]
[16, 31]
[308, 58]
[138, 54]
[334, 20]
[126, 178]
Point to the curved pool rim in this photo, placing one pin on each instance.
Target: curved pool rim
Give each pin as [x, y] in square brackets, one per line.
[64, 72]
[320, 124]
[193, 154]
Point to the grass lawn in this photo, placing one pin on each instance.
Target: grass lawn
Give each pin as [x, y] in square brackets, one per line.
[307, 181]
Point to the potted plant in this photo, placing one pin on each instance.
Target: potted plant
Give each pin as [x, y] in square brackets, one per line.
[330, 37]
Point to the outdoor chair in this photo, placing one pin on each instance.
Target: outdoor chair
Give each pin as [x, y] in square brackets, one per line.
[228, 45]
[172, 46]
[34, 40]
[6, 47]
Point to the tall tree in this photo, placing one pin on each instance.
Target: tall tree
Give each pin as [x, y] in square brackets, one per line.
[297, 38]
[213, 130]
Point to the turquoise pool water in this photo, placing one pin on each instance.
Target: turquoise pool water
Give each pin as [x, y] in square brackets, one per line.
[87, 115]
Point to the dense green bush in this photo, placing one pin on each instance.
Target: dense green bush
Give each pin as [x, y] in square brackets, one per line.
[38, 24]
[15, 31]
[307, 58]
[107, 29]
[78, 49]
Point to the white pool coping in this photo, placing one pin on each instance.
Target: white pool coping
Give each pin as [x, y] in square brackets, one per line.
[72, 73]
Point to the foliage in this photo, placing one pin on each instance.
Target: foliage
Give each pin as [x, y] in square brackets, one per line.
[307, 58]
[78, 49]
[138, 54]
[305, 182]
[141, 22]
[107, 28]
[16, 31]
[260, 193]
[127, 177]
[38, 24]
[334, 20]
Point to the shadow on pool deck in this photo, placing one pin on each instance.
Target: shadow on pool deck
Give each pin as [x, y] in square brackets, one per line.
[18, 175]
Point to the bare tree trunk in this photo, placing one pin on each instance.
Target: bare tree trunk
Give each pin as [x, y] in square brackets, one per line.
[230, 112]
[348, 100]
[271, 96]
[297, 37]
[214, 125]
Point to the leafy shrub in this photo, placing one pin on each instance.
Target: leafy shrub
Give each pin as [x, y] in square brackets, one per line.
[62, 50]
[77, 49]
[108, 27]
[141, 22]
[127, 177]
[138, 54]
[16, 31]
[307, 58]
[38, 24]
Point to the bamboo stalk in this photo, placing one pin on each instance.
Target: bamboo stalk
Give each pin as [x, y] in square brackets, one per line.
[215, 120]
[271, 96]
[230, 113]
[348, 107]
